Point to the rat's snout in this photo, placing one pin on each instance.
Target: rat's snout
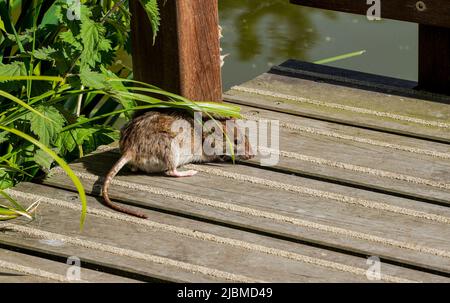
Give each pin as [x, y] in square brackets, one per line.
[244, 149]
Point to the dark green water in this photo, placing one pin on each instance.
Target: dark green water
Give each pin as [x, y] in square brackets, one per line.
[261, 33]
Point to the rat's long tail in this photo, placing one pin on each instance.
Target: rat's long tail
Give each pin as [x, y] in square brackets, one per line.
[111, 174]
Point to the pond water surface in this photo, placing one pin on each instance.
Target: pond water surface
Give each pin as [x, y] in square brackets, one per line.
[261, 33]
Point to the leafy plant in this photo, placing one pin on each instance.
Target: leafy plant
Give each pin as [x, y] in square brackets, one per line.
[63, 84]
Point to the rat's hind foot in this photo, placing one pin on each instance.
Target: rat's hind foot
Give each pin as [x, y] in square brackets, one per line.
[179, 174]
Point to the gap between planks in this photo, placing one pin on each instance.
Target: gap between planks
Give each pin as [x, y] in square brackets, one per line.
[35, 272]
[281, 218]
[357, 168]
[34, 232]
[210, 237]
[321, 194]
[339, 121]
[314, 131]
[348, 183]
[112, 269]
[359, 110]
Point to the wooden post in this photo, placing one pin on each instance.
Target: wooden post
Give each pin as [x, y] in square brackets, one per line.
[434, 58]
[186, 56]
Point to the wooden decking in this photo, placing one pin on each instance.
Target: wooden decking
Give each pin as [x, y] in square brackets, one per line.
[364, 171]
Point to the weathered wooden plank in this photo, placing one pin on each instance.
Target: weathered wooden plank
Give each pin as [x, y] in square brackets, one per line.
[288, 208]
[316, 129]
[434, 58]
[356, 79]
[219, 231]
[345, 105]
[11, 276]
[434, 12]
[131, 268]
[49, 266]
[185, 58]
[244, 257]
[410, 171]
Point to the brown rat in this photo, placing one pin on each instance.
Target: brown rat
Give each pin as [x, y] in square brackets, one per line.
[161, 142]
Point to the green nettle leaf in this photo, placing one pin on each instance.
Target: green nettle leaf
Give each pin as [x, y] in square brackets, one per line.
[101, 136]
[5, 179]
[44, 53]
[92, 37]
[23, 38]
[118, 86]
[43, 159]
[46, 130]
[64, 9]
[93, 79]
[57, 13]
[65, 143]
[152, 10]
[14, 69]
[69, 38]
[104, 45]
[107, 135]
[84, 134]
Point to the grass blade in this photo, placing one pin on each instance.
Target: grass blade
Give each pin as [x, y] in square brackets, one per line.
[340, 57]
[36, 78]
[63, 165]
[12, 201]
[23, 104]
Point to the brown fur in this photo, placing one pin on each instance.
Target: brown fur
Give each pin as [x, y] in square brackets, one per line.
[146, 144]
